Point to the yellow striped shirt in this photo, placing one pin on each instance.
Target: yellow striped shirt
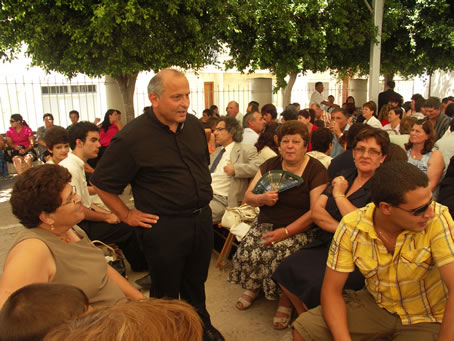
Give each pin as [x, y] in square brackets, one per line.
[407, 282]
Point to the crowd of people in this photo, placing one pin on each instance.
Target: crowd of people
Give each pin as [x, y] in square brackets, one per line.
[352, 238]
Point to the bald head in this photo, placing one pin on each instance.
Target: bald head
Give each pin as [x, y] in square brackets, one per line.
[158, 82]
[232, 109]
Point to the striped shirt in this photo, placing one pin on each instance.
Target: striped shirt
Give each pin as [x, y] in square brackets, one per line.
[408, 282]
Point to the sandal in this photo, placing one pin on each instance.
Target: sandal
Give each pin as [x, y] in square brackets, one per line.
[243, 303]
[281, 322]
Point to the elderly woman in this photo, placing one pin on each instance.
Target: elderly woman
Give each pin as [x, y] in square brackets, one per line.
[421, 152]
[369, 109]
[301, 275]
[21, 140]
[52, 248]
[287, 213]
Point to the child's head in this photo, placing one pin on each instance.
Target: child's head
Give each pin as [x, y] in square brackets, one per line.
[148, 320]
[32, 311]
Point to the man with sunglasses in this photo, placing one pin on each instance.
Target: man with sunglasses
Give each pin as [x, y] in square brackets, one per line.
[403, 244]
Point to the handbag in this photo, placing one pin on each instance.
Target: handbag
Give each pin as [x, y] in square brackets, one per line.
[113, 255]
[235, 215]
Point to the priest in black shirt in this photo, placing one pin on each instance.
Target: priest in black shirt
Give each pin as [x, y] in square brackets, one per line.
[163, 154]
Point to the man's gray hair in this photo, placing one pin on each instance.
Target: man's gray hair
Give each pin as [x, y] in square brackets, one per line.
[249, 117]
[233, 127]
[156, 85]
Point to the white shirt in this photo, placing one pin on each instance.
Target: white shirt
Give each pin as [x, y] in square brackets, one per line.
[322, 157]
[317, 98]
[390, 129]
[220, 181]
[400, 140]
[374, 122]
[446, 147]
[250, 137]
[75, 165]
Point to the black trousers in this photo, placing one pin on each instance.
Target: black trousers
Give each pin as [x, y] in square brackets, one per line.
[121, 234]
[178, 252]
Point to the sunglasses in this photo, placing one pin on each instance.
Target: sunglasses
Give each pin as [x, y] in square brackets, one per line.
[418, 211]
[12, 121]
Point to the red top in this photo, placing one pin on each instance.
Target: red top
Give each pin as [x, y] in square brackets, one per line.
[21, 137]
[309, 147]
[106, 136]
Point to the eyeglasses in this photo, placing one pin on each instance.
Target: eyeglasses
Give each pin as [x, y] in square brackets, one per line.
[418, 211]
[220, 129]
[72, 199]
[12, 121]
[362, 150]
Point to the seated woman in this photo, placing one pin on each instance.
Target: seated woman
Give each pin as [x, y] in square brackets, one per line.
[421, 152]
[57, 142]
[301, 275]
[111, 125]
[266, 144]
[287, 213]
[21, 140]
[52, 248]
[369, 109]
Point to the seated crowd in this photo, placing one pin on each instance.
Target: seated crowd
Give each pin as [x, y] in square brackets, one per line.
[352, 245]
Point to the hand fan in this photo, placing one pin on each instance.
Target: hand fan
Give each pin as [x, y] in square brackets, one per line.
[277, 180]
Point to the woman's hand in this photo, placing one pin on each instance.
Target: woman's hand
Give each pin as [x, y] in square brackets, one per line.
[274, 237]
[269, 198]
[340, 186]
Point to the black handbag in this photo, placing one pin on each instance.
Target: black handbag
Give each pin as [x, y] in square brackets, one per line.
[114, 256]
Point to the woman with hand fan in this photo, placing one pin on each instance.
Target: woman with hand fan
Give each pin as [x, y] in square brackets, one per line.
[300, 276]
[285, 198]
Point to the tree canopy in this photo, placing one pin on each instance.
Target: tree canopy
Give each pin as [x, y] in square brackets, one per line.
[289, 37]
[111, 37]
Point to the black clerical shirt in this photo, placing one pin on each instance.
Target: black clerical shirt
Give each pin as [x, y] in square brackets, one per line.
[168, 171]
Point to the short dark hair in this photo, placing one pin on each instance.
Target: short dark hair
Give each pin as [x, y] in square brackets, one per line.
[270, 109]
[48, 115]
[429, 130]
[432, 102]
[395, 99]
[371, 105]
[391, 84]
[56, 135]
[445, 100]
[392, 180]
[253, 103]
[416, 96]
[318, 83]
[289, 115]
[208, 112]
[353, 131]
[38, 190]
[380, 136]
[74, 112]
[35, 309]
[307, 114]
[233, 127]
[293, 127]
[419, 102]
[79, 131]
[396, 152]
[343, 111]
[321, 138]
[398, 111]
[449, 111]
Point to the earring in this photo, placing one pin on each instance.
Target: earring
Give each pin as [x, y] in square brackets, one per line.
[52, 227]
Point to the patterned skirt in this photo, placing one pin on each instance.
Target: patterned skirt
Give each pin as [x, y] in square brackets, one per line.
[253, 263]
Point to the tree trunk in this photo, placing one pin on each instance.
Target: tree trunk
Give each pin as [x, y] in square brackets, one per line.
[388, 77]
[287, 93]
[127, 84]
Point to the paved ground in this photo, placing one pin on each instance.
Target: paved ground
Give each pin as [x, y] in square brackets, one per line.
[254, 324]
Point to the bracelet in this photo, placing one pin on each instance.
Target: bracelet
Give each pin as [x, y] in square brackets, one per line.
[339, 196]
[286, 231]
